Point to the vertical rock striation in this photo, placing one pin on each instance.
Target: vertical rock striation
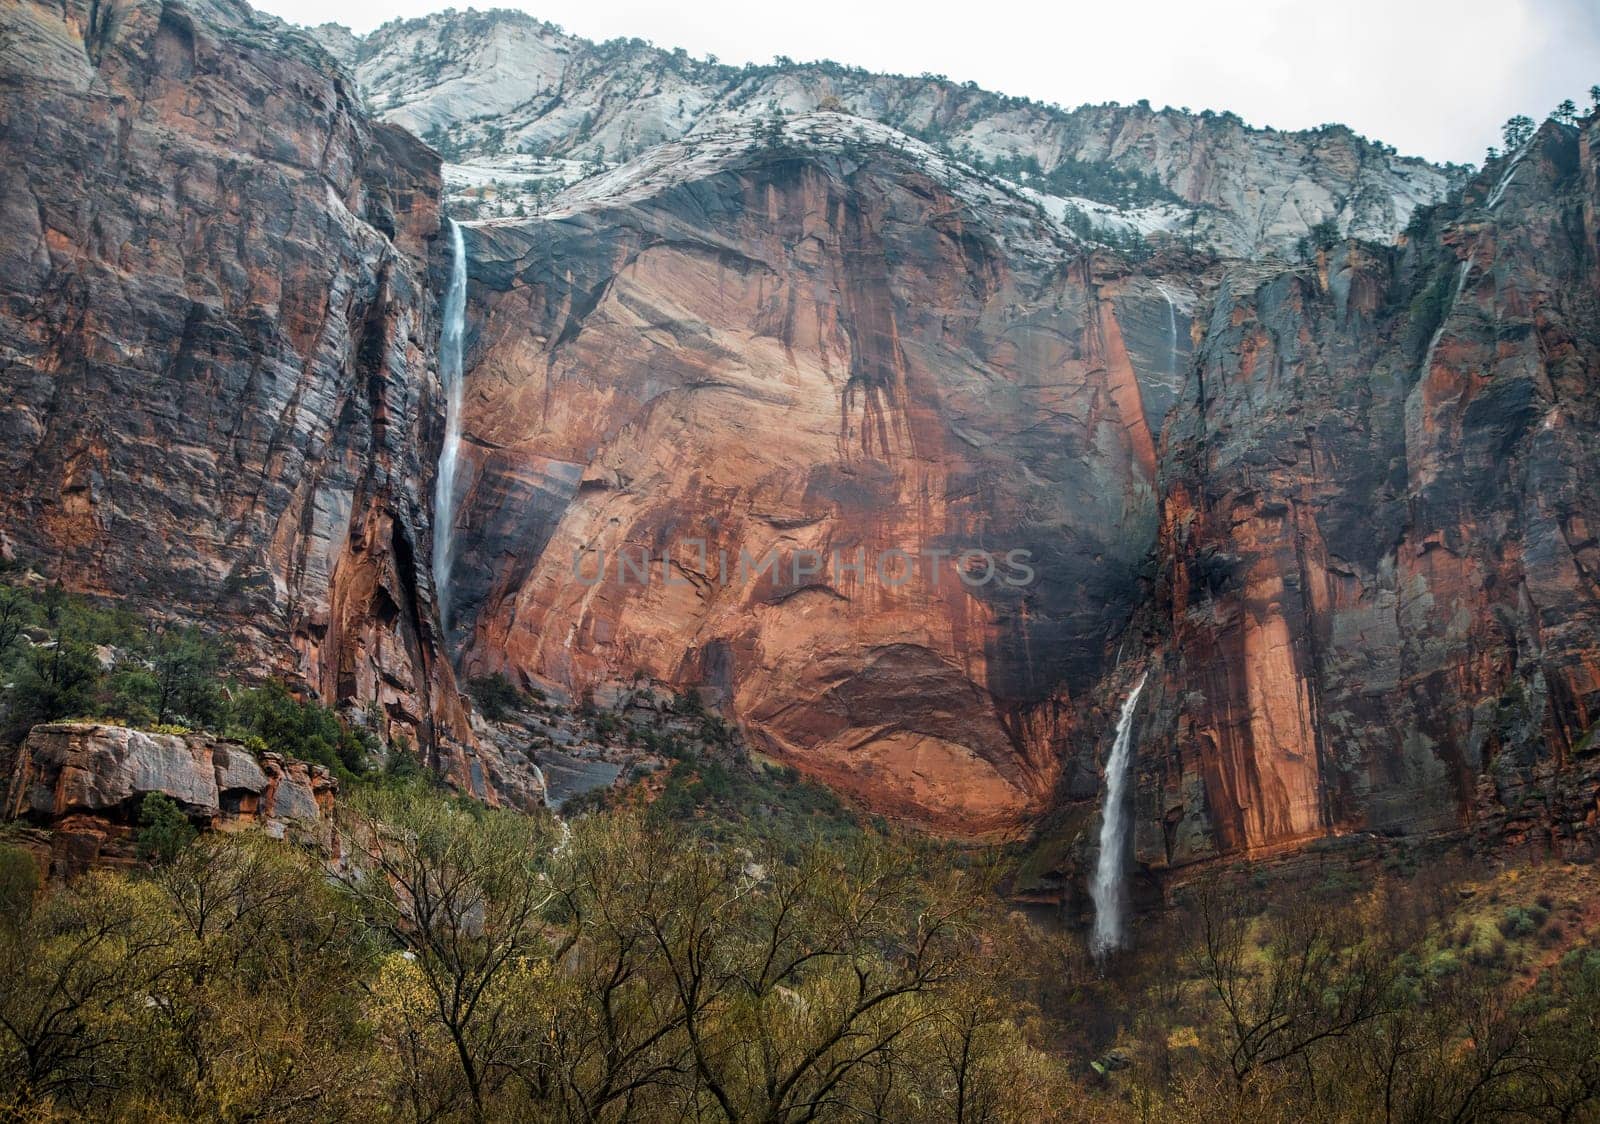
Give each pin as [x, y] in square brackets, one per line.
[217, 329]
[824, 345]
[1379, 594]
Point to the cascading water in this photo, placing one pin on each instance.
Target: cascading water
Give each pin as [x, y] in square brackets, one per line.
[1172, 330]
[1499, 191]
[1455, 296]
[1107, 889]
[450, 375]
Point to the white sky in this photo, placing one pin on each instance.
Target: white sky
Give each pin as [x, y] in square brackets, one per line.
[1433, 77]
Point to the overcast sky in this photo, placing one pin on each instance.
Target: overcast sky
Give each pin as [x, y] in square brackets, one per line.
[1433, 77]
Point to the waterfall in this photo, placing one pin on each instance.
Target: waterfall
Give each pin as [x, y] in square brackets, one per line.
[1172, 330]
[1444, 316]
[1107, 889]
[1505, 180]
[450, 375]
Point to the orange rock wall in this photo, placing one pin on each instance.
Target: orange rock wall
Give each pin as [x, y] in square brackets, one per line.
[796, 359]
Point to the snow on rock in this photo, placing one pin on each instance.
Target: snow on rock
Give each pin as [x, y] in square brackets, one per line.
[492, 86]
[1028, 223]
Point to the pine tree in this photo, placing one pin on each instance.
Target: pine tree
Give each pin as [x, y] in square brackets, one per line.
[1517, 132]
[772, 131]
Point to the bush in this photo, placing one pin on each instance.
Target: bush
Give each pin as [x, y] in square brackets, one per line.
[167, 676]
[19, 884]
[164, 832]
[1517, 922]
[687, 703]
[185, 666]
[52, 684]
[402, 767]
[495, 695]
[305, 730]
[1325, 234]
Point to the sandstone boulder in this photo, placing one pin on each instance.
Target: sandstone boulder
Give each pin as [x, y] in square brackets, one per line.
[87, 780]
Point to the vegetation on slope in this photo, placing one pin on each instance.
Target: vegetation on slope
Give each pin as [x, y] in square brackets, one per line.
[64, 656]
[469, 964]
[462, 963]
[718, 938]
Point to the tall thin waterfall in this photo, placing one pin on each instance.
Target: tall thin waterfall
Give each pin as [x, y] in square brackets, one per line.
[1444, 319]
[444, 489]
[1108, 889]
[1499, 191]
[1172, 329]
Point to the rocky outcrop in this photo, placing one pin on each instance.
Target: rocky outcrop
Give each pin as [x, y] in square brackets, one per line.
[1378, 604]
[217, 337]
[87, 781]
[486, 85]
[813, 354]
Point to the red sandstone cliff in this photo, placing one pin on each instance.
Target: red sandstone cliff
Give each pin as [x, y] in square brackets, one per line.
[1378, 604]
[1345, 511]
[1360, 560]
[218, 326]
[827, 345]
[86, 782]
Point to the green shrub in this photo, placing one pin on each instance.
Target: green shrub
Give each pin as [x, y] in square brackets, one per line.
[402, 766]
[19, 884]
[496, 696]
[164, 830]
[17, 611]
[185, 667]
[52, 684]
[163, 676]
[1517, 922]
[305, 730]
[1443, 963]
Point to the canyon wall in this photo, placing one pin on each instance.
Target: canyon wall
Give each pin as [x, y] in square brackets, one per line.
[1342, 509]
[816, 352]
[218, 327]
[1378, 602]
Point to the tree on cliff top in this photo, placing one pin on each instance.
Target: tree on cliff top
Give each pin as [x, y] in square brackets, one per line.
[16, 613]
[53, 683]
[772, 130]
[1518, 131]
[301, 728]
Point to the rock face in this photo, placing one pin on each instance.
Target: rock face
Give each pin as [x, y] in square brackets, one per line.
[217, 331]
[813, 354]
[1378, 603]
[755, 412]
[87, 781]
[488, 84]
[1346, 505]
